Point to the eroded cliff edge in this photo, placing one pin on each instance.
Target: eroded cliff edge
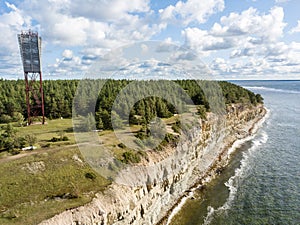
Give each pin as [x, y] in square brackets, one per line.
[195, 160]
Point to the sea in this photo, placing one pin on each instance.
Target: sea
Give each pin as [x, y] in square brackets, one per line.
[261, 185]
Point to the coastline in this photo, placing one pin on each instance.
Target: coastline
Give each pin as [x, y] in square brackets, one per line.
[207, 150]
[210, 175]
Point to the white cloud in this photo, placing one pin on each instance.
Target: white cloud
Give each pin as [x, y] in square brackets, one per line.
[191, 11]
[95, 25]
[273, 60]
[11, 23]
[295, 29]
[269, 27]
[113, 10]
[98, 23]
[67, 54]
[220, 66]
[70, 31]
[202, 40]
[281, 1]
[67, 64]
[246, 34]
[87, 30]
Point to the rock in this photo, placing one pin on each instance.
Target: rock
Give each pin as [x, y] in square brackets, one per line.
[34, 167]
[152, 190]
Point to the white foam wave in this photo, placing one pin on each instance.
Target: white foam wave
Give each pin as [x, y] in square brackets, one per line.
[233, 181]
[179, 206]
[258, 125]
[271, 89]
[232, 189]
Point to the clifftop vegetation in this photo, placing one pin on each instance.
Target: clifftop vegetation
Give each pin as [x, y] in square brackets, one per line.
[59, 95]
[55, 176]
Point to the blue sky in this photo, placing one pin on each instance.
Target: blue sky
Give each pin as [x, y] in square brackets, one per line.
[236, 39]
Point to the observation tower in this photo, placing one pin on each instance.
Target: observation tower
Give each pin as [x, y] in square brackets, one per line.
[30, 49]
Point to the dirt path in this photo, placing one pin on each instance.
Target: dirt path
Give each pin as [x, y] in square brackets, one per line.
[34, 152]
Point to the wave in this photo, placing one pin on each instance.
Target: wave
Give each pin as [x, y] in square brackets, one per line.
[180, 205]
[272, 89]
[235, 145]
[233, 181]
[258, 125]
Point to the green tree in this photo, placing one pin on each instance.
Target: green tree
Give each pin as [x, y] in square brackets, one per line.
[19, 118]
[90, 122]
[30, 139]
[116, 120]
[9, 137]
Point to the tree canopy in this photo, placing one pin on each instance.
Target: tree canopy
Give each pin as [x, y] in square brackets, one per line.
[139, 99]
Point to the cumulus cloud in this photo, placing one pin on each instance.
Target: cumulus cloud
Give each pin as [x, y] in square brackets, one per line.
[295, 29]
[67, 54]
[95, 26]
[247, 33]
[202, 40]
[191, 11]
[66, 64]
[281, 1]
[113, 10]
[98, 23]
[11, 23]
[88, 30]
[275, 59]
[269, 27]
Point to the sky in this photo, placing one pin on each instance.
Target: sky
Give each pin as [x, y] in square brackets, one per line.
[235, 39]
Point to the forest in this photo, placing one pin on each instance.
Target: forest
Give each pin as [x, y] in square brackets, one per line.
[107, 104]
[141, 100]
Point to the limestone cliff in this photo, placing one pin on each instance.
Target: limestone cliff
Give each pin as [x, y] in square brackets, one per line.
[194, 161]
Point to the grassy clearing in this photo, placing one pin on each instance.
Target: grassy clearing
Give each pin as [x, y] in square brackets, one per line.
[53, 128]
[39, 186]
[47, 181]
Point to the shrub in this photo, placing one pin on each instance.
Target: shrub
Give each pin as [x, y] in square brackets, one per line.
[31, 139]
[65, 138]
[46, 145]
[141, 135]
[14, 151]
[139, 142]
[176, 127]
[201, 111]
[130, 157]
[54, 139]
[90, 175]
[121, 145]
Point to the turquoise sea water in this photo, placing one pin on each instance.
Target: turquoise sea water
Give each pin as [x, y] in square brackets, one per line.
[261, 185]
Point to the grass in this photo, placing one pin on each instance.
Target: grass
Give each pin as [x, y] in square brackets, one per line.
[30, 194]
[45, 132]
[39, 184]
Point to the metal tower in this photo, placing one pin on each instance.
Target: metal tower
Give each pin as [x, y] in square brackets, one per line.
[30, 49]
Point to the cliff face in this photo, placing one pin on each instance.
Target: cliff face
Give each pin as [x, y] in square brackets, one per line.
[169, 174]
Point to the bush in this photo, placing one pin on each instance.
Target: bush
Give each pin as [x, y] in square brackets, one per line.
[139, 142]
[201, 111]
[46, 145]
[14, 151]
[54, 139]
[90, 175]
[5, 118]
[121, 145]
[130, 157]
[30, 139]
[176, 127]
[65, 138]
[141, 135]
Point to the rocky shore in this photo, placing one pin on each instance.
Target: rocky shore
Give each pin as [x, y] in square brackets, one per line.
[150, 199]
